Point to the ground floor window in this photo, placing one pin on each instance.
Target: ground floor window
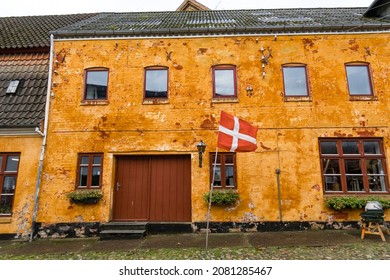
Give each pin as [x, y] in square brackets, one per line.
[9, 164]
[352, 165]
[224, 173]
[90, 169]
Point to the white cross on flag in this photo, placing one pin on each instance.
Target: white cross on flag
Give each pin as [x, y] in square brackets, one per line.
[236, 135]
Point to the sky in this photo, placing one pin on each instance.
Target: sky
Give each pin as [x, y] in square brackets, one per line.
[51, 7]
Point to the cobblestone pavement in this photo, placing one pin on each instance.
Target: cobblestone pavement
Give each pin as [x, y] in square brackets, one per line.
[301, 245]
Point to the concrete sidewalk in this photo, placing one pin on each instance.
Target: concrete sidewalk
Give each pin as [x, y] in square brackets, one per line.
[190, 240]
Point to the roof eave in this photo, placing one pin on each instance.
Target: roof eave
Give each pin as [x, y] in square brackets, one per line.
[280, 29]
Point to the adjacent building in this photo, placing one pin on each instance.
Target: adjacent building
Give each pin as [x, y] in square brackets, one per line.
[24, 72]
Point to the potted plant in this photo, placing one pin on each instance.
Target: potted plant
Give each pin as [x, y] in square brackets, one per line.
[85, 196]
[222, 197]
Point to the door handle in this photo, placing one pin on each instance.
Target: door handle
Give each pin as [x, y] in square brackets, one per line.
[117, 186]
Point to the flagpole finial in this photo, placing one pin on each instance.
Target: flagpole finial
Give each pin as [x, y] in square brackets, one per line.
[201, 146]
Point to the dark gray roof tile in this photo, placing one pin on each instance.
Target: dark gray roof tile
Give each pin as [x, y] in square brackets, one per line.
[25, 107]
[230, 21]
[33, 31]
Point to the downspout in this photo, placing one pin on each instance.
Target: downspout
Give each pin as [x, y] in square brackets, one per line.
[44, 139]
[277, 171]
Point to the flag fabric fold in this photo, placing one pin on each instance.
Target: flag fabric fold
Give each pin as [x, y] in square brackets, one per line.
[236, 135]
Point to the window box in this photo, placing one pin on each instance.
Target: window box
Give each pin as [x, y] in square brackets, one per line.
[85, 196]
[222, 197]
[353, 202]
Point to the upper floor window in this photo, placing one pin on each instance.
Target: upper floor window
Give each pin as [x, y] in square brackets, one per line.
[90, 169]
[156, 82]
[9, 164]
[224, 173]
[353, 165]
[295, 80]
[96, 81]
[224, 81]
[359, 79]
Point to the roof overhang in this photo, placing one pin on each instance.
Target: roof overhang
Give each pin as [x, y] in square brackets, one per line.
[19, 131]
[224, 31]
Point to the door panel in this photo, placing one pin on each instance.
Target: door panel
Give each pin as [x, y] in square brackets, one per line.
[153, 188]
[131, 192]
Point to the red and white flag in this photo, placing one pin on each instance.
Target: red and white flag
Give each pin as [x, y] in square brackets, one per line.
[236, 135]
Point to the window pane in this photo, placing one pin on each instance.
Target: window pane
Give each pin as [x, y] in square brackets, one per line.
[372, 148]
[331, 166]
[295, 83]
[224, 82]
[350, 148]
[95, 176]
[9, 185]
[217, 176]
[229, 159]
[377, 183]
[84, 160]
[96, 84]
[355, 183]
[332, 183]
[328, 148]
[352, 166]
[358, 80]
[83, 176]
[374, 166]
[229, 176]
[156, 83]
[6, 204]
[97, 160]
[12, 163]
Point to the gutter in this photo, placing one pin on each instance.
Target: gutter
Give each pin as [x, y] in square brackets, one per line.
[44, 139]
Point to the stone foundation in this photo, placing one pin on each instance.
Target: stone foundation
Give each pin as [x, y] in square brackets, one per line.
[82, 230]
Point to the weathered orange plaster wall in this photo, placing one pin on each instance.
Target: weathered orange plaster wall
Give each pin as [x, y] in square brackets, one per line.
[288, 130]
[29, 148]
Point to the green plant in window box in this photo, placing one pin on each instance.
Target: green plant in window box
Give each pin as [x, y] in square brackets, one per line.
[222, 197]
[85, 196]
[353, 202]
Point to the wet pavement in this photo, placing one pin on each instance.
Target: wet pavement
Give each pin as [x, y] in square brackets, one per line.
[321, 238]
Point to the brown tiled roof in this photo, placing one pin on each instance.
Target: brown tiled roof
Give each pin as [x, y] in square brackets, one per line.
[33, 31]
[25, 108]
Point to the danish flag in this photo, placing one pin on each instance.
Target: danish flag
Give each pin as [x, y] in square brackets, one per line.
[236, 135]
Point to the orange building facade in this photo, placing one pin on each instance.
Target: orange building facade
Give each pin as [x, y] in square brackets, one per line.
[140, 148]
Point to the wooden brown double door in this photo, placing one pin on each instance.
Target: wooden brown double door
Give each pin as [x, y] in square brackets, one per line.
[153, 188]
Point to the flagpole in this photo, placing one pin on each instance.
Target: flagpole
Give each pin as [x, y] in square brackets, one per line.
[210, 197]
